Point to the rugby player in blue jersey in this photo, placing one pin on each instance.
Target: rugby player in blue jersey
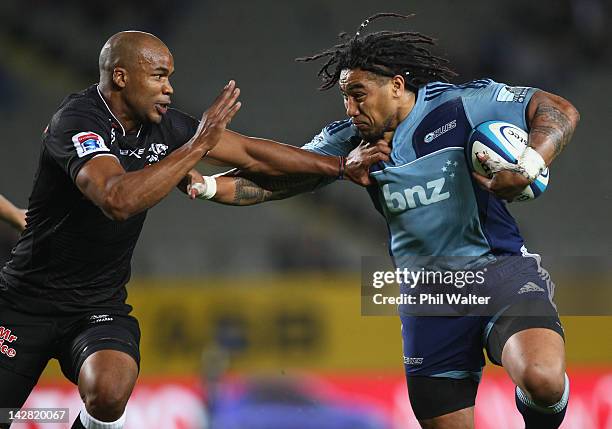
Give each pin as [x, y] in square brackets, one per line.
[396, 91]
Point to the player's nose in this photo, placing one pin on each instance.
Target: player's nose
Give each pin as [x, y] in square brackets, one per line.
[351, 108]
[167, 89]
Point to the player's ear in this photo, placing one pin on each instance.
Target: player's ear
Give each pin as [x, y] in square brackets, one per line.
[120, 77]
[397, 85]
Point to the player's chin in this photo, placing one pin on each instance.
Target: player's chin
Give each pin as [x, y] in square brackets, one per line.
[155, 117]
[369, 136]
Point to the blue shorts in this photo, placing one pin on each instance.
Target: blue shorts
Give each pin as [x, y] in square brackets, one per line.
[452, 346]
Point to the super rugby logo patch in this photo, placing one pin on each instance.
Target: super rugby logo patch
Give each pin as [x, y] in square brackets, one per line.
[88, 142]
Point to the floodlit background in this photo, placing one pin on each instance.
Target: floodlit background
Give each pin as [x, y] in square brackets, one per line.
[256, 311]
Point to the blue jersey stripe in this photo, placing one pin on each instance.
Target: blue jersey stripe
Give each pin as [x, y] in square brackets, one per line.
[338, 126]
[435, 95]
[464, 86]
[440, 88]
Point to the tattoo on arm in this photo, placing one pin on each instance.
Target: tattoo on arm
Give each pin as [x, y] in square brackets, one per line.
[554, 125]
[248, 193]
[258, 189]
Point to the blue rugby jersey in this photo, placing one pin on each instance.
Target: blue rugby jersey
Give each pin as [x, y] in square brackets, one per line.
[432, 205]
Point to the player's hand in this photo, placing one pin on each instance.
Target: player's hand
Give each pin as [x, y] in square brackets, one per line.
[216, 118]
[506, 183]
[195, 185]
[360, 159]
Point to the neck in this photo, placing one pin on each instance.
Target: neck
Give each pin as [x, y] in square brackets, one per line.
[408, 102]
[118, 107]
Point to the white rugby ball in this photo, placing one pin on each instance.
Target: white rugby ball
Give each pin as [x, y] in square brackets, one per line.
[502, 141]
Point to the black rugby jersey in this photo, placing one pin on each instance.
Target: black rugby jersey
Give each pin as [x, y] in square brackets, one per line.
[71, 257]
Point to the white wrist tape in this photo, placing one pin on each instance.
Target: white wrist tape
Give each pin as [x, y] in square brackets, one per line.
[206, 190]
[532, 163]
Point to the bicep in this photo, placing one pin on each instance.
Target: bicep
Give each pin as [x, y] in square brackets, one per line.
[554, 106]
[94, 177]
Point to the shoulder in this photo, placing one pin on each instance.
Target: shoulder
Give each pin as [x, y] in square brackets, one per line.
[442, 91]
[335, 139]
[339, 131]
[79, 108]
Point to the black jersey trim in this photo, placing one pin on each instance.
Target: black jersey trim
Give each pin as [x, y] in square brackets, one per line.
[111, 112]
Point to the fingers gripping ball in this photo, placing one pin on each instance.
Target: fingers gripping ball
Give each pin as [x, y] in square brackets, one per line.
[504, 144]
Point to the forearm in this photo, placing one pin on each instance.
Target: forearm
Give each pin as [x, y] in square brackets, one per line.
[250, 190]
[552, 121]
[126, 194]
[262, 156]
[11, 214]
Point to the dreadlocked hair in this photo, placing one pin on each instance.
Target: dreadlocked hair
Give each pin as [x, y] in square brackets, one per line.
[384, 53]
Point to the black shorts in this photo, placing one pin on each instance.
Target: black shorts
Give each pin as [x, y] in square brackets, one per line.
[29, 341]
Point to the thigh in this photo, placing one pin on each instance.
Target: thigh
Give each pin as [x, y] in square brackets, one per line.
[443, 403]
[442, 346]
[462, 419]
[535, 352]
[106, 380]
[14, 390]
[525, 301]
[535, 316]
[97, 332]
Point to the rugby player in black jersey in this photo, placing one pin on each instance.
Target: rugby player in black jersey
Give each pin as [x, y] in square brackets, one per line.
[108, 154]
[11, 214]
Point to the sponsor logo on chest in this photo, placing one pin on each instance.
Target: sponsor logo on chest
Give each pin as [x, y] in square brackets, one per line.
[137, 153]
[410, 198]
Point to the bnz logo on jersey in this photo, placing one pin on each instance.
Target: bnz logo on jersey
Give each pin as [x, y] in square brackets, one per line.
[88, 142]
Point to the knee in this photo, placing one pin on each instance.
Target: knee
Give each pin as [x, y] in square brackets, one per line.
[105, 401]
[545, 385]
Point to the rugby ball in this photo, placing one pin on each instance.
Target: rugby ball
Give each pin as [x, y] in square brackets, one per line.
[502, 141]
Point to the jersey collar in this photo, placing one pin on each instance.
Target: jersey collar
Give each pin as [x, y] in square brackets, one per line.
[111, 112]
[402, 150]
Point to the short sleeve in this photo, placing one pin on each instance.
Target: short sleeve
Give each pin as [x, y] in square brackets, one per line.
[501, 102]
[336, 139]
[73, 138]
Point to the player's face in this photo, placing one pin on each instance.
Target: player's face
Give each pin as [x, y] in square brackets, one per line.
[369, 102]
[148, 89]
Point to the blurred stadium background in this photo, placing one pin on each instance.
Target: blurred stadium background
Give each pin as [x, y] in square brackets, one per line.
[256, 311]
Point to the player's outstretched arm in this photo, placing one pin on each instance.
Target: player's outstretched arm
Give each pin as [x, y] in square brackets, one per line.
[246, 190]
[261, 156]
[121, 195]
[12, 214]
[241, 188]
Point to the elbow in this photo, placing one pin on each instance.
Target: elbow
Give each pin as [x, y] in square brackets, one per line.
[574, 115]
[114, 208]
[571, 113]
